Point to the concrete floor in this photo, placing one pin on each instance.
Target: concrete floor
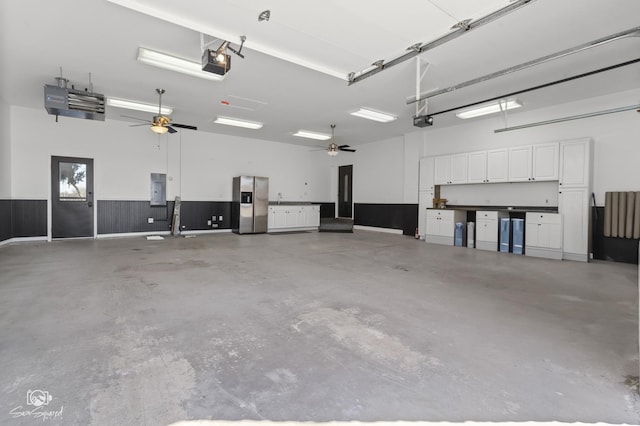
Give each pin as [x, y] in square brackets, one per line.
[312, 326]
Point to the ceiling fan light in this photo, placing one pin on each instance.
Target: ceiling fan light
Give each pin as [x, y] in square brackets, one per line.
[172, 63]
[332, 153]
[370, 114]
[159, 129]
[492, 108]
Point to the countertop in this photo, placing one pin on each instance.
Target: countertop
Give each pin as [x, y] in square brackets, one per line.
[518, 209]
[290, 203]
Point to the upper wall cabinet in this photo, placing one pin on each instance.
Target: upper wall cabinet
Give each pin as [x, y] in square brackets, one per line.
[498, 165]
[442, 170]
[459, 168]
[477, 167]
[520, 164]
[545, 161]
[426, 174]
[534, 163]
[575, 169]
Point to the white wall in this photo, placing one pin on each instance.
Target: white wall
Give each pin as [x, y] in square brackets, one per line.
[5, 150]
[199, 165]
[616, 137]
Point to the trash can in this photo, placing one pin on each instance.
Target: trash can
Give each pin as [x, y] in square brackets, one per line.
[471, 235]
[518, 235]
[459, 238]
[505, 231]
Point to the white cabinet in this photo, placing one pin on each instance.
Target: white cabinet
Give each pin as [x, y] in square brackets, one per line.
[498, 165]
[574, 169]
[574, 198]
[293, 218]
[477, 167]
[573, 203]
[543, 235]
[459, 168]
[487, 229]
[426, 191]
[533, 163]
[520, 164]
[442, 170]
[426, 174]
[545, 162]
[441, 225]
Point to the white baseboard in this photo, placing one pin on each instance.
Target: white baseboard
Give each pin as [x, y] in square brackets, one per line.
[578, 257]
[302, 228]
[546, 253]
[132, 234]
[206, 231]
[376, 229]
[22, 240]
[438, 239]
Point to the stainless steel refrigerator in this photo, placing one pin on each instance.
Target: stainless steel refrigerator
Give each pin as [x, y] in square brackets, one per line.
[249, 210]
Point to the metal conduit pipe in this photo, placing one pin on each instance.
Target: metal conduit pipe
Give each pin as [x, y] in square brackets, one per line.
[421, 48]
[633, 32]
[573, 117]
[541, 86]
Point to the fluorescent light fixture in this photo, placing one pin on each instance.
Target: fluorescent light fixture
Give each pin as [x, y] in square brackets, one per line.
[172, 63]
[238, 123]
[312, 135]
[370, 114]
[492, 108]
[138, 106]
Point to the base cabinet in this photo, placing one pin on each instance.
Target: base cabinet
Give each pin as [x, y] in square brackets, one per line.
[487, 229]
[293, 218]
[543, 235]
[574, 205]
[441, 224]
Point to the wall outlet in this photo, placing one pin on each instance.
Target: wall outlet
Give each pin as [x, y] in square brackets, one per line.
[209, 223]
[150, 220]
[220, 218]
[213, 218]
[215, 225]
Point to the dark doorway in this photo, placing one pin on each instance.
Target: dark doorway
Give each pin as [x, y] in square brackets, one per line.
[345, 186]
[71, 197]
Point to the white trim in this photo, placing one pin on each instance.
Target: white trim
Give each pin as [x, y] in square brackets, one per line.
[547, 253]
[578, 257]
[132, 234]
[206, 231]
[22, 240]
[292, 229]
[376, 229]
[438, 239]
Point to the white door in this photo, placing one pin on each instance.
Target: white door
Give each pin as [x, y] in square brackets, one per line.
[531, 230]
[498, 165]
[279, 218]
[477, 167]
[433, 224]
[520, 164]
[442, 170]
[545, 161]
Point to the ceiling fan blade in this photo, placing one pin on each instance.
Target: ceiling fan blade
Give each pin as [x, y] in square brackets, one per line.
[184, 126]
[171, 129]
[343, 146]
[138, 125]
[346, 149]
[135, 118]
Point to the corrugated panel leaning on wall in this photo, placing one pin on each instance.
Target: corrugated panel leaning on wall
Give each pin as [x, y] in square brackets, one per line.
[622, 214]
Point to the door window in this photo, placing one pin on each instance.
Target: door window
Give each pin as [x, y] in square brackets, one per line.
[72, 179]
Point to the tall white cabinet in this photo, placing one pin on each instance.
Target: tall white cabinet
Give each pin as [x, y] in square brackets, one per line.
[426, 191]
[574, 196]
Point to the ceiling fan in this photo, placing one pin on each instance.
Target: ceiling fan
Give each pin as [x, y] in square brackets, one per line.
[160, 123]
[334, 148]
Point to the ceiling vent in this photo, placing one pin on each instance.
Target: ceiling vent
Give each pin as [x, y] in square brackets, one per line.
[60, 100]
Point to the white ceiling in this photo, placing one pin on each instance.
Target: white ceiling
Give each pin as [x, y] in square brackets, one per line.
[296, 64]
